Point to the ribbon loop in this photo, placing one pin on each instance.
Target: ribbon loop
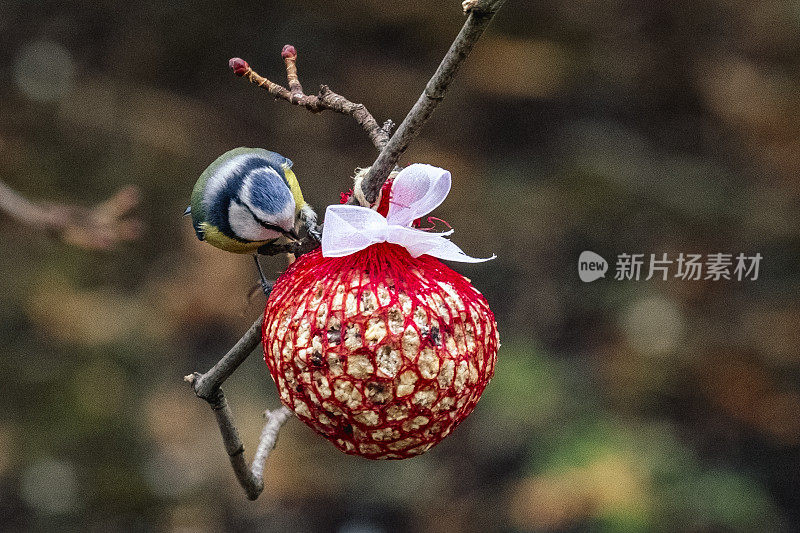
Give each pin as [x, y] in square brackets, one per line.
[417, 190]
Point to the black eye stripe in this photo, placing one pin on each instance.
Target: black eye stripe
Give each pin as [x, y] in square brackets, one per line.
[263, 224]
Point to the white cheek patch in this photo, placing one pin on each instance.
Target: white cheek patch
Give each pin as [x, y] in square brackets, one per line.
[245, 226]
[220, 177]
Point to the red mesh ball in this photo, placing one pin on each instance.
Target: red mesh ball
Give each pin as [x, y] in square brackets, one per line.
[381, 353]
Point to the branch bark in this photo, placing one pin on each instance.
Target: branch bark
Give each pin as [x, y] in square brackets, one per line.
[250, 478]
[324, 99]
[94, 228]
[204, 385]
[207, 386]
[480, 14]
[275, 420]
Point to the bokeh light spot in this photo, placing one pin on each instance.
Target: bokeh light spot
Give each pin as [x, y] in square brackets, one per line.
[44, 71]
[653, 325]
[50, 486]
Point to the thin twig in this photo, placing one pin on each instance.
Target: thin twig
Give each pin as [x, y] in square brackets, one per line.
[233, 445]
[388, 126]
[250, 478]
[275, 420]
[204, 385]
[479, 17]
[207, 387]
[94, 228]
[289, 55]
[324, 99]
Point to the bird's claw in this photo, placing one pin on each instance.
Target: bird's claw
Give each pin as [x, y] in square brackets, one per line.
[314, 232]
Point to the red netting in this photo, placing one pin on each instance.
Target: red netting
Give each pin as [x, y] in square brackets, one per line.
[381, 353]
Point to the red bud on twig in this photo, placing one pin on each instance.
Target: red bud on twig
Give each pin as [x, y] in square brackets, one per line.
[288, 51]
[239, 66]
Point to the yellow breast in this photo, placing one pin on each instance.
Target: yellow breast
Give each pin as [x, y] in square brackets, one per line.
[213, 236]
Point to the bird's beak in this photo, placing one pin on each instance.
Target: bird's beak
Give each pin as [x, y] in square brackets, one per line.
[292, 234]
[188, 211]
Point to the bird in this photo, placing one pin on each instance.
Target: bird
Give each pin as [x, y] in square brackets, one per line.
[248, 198]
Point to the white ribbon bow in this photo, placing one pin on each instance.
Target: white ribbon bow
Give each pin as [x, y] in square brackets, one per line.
[416, 191]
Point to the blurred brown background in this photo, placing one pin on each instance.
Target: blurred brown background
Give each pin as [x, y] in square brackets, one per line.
[613, 126]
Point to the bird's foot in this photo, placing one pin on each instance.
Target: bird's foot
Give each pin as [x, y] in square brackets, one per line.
[266, 285]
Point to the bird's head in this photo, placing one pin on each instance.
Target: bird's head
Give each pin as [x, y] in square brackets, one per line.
[265, 195]
[245, 196]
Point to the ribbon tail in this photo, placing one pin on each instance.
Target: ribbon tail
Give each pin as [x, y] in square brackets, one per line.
[420, 243]
[442, 233]
[445, 249]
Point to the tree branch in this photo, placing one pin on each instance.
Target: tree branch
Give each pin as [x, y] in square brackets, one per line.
[251, 479]
[275, 420]
[204, 385]
[480, 14]
[207, 386]
[325, 99]
[94, 228]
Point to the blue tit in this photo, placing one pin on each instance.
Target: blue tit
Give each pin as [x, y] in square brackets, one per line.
[248, 198]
